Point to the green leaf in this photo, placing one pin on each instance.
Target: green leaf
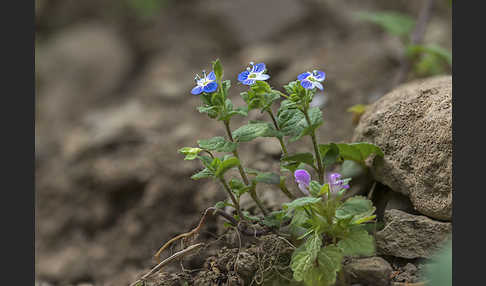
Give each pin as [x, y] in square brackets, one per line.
[357, 243]
[315, 117]
[357, 207]
[220, 205]
[414, 50]
[395, 23]
[268, 178]
[211, 111]
[367, 149]
[238, 187]
[226, 165]
[254, 130]
[315, 188]
[205, 173]
[301, 202]
[190, 152]
[304, 257]
[349, 152]
[357, 109]
[306, 158]
[218, 144]
[329, 153]
[329, 261]
[288, 120]
[274, 219]
[218, 69]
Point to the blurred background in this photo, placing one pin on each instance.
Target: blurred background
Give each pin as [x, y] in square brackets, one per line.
[113, 105]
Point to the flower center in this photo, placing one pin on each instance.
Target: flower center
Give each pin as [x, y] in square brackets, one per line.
[252, 75]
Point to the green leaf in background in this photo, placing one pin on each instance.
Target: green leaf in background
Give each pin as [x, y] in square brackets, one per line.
[357, 109]
[268, 178]
[329, 261]
[306, 158]
[205, 173]
[413, 50]
[304, 257]
[218, 144]
[226, 165]
[439, 270]
[190, 152]
[274, 219]
[395, 23]
[218, 69]
[357, 243]
[238, 187]
[211, 111]
[329, 153]
[254, 130]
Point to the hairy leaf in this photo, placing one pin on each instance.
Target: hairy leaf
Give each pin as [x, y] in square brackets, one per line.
[218, 144]
[226, 165]
[205, 173]
[190, 152]
[254, 130]
[357, 243]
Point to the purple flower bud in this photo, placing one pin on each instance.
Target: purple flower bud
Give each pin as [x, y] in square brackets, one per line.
[303, 178]
[336, 184]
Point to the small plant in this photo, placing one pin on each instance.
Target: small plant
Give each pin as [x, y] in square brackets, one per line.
[326, 227]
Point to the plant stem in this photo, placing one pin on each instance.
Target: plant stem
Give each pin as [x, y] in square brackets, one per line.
[233, 199]
[320, 171]
[282, 143]
[243, 173]
[286, 191]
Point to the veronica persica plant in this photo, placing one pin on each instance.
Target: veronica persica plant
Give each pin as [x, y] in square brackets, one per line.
[323, 225]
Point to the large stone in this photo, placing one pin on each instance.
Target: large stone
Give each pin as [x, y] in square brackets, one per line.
[411, 236]
[412, 125]
[373, 271]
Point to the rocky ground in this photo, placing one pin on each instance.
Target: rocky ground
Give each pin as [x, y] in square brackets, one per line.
[113, 106]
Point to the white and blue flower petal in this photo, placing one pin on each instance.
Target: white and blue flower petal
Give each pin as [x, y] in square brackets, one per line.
[307, 84]
[243, 76]
[261, 77]
[259, 68]
[303, 76]
[319, 75]
[210, 87]
[197, 90]
[248, 81]
[318, 85]
[211, 76]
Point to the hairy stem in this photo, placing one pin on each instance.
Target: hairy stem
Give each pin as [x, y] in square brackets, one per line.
[243, 173]
[282, 143]
[233, 198]
[320, 168]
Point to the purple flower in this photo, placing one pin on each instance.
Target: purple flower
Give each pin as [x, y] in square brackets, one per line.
[253, 73]
[303, 178]
[311, 80]
[336, 184]
[205, 84]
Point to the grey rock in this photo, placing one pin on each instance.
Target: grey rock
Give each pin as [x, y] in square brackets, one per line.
[411, 236]
[412, 125]
[374, 271]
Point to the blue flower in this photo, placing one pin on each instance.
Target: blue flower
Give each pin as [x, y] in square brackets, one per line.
[205, 84]
[253, 73]
[311, 80]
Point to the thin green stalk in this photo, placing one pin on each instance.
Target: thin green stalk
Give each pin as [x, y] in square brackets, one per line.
[243, 173]
[233, 198]
[320, 171]
[282, 143]
[286, 191]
